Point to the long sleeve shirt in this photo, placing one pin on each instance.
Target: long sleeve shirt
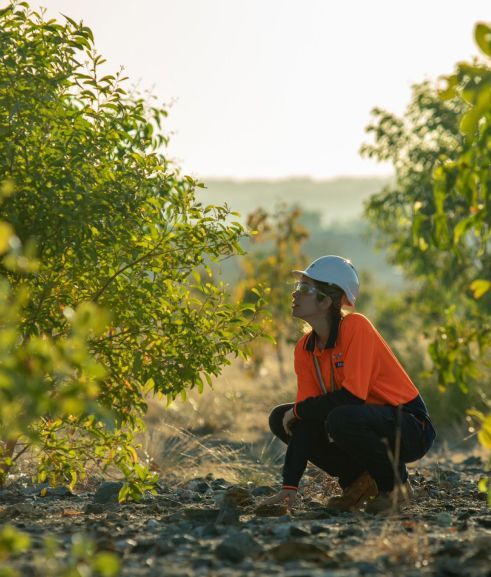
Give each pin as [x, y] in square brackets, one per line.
[357, 366]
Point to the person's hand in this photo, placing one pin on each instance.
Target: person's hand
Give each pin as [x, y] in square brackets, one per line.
[288, 496]
[288, 419]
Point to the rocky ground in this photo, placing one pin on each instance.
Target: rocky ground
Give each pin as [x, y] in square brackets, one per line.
[206, 527]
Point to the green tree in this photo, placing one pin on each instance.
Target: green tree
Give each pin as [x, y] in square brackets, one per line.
[115, 227]
[468, 180]
[435, 219]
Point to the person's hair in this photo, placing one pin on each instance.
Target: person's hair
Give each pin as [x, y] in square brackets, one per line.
[335, 293]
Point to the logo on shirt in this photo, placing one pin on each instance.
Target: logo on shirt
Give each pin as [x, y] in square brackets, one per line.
[337, 355]
[339, 364]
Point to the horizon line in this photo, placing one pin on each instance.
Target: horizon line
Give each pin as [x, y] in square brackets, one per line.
[280, 179]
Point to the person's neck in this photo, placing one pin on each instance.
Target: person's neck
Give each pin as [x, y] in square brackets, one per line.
[322, 329]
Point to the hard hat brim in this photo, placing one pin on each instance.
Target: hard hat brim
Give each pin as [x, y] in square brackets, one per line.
[346, 299]
[305, 273]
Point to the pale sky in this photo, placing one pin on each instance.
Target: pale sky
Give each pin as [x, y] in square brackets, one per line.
[277, 88]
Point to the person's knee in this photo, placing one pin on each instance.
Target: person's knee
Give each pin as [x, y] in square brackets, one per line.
[276, 420]
[340, 421]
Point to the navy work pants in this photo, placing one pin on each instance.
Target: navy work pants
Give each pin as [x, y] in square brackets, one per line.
[358, 438]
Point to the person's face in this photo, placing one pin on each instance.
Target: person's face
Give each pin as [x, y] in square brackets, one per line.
[305, 304]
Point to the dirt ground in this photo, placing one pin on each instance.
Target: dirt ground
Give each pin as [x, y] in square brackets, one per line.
[197, 526]
[191, 528]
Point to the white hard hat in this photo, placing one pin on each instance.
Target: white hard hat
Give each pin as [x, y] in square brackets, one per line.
[335, 270]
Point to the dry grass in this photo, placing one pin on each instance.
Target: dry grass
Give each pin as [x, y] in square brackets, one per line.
[176, 452]
[398, 541]
[224, 430]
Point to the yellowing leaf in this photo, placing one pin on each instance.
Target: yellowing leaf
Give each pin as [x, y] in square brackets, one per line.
[484, 434]
[133, 453]
[6, 233]
[480, 287]
[7, 188]
[483, 485]
[423, 245]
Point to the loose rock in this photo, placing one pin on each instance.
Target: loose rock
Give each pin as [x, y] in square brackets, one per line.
[108, 492]
[237, 546]
[292, 550]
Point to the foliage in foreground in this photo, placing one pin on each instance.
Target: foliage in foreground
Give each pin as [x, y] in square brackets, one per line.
[114, 227]
[437, 218]
[82, 559]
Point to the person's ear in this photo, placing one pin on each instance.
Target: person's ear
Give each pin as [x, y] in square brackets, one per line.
[326, 303]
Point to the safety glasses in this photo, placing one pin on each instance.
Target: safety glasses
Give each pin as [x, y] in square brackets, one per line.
[304, 288]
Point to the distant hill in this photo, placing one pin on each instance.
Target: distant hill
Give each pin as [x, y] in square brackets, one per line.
[338, 200]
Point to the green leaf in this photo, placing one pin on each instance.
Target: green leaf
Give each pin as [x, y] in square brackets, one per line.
[107, 564]
[199, 384]
[70, 20]
[482, 34]
[468, 123]
[12, 541]
[441, 234]
[4, 11]
[451, 89]
[462, 227]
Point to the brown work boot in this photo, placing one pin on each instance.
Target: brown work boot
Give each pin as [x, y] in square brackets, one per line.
[390, 501]
[354, 495]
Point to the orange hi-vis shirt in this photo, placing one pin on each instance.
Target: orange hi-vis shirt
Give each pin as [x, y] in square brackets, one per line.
[361, 361]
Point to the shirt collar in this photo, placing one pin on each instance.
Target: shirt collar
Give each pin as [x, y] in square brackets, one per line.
[331, 341]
